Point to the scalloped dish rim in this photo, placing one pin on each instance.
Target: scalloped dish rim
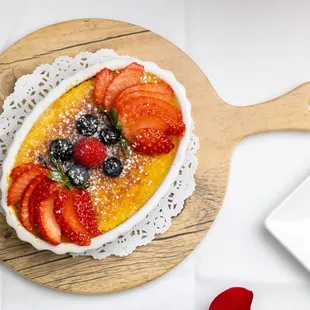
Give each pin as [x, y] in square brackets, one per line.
[66, 85]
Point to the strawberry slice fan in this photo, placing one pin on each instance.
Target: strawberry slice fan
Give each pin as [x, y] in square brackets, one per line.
[143, 110]
[51, 208]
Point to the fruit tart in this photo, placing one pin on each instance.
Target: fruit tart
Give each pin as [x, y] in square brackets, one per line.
[96, 155]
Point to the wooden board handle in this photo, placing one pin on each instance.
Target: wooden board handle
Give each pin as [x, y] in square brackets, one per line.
[287, 112]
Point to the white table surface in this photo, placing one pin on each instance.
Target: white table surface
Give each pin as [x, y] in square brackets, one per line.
[251, 51]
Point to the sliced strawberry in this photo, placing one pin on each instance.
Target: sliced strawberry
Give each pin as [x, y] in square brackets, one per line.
[131, 108]
[27, 216]
[46, 221]
[174, 127]
[145, 121]
[129, 76]
[152, 141]
[19, 170]
[103, 80]
[19, 185]
[160, 91]
[134, 95]
[85, 211]
[41, 192]
[68, 219]
[152, 87]
[169, 114]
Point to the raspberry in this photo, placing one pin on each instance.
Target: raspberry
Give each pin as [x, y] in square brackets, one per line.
[89, 152]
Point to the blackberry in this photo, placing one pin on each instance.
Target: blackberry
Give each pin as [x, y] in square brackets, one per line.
[109, 135]
[87, 125]
[78, 175]
[61, 149]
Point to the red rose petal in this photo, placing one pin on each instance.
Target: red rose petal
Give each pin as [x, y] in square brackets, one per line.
[235, 298]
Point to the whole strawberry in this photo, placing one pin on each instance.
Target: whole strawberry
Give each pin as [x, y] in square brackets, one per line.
[89, 152]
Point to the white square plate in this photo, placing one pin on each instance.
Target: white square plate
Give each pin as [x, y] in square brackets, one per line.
[289, 223]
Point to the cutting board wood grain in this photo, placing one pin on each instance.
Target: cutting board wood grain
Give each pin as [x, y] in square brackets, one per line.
[219, 126]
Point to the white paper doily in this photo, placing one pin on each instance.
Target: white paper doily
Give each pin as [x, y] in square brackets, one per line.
[32, 88]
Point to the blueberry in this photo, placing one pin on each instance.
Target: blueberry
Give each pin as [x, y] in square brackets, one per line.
[78, 175]
[113, 167]
[109, 135]
[87, 124]
[61, 149]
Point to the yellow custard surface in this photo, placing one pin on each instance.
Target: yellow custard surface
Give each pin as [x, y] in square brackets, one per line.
[114, 199]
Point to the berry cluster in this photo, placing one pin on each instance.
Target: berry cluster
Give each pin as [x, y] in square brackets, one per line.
[88, 152]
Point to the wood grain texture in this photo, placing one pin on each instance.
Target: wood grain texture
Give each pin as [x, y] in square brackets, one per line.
[219, 125]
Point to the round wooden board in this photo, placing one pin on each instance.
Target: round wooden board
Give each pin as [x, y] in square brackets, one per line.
[219, 126]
